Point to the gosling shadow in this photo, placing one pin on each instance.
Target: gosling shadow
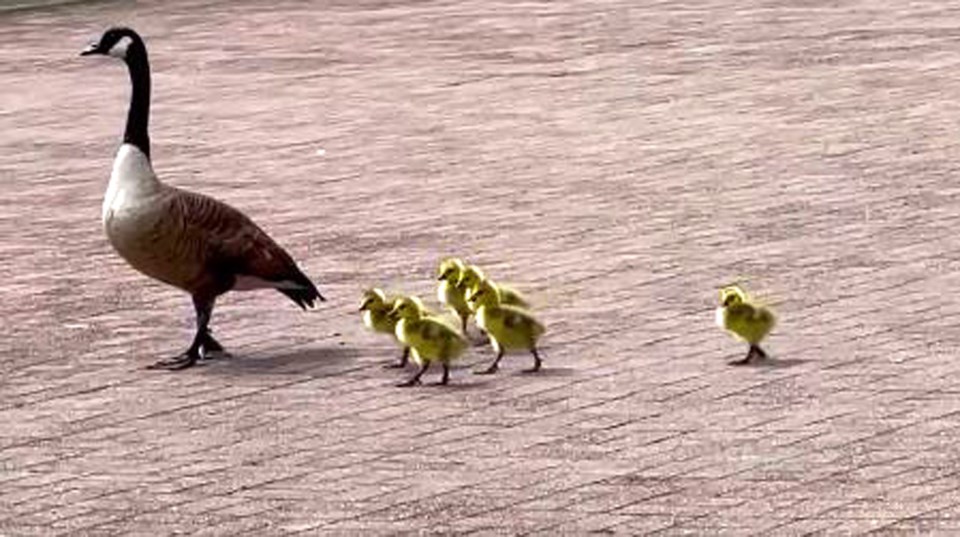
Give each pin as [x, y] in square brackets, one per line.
[769, 363]
[546, 371]
[313, 361]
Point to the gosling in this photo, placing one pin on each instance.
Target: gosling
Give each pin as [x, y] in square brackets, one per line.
[509, 327]
[376, 316]
[744, 320]
[429, 339]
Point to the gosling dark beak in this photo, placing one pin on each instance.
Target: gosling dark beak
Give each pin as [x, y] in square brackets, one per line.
[92, 48]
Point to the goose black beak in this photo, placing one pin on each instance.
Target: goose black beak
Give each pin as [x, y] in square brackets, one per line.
[92, 48]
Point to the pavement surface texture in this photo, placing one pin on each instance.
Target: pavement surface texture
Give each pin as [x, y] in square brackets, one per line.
[618, 161]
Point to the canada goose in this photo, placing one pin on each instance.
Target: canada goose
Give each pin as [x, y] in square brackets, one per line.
[184, 239]
[450, 293]
[429, 338]
[745, 320]
[376, 309]
[509, 327]
[472, 275]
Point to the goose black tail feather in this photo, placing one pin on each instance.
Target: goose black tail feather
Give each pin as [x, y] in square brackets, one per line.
[306, 295]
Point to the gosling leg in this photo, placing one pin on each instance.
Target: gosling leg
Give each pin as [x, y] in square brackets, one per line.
[446, 375]
[748, 358]
[494, 367]
[537, 362]
[414, 380]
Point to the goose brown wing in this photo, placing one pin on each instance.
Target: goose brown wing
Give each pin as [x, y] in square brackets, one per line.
[230, 244]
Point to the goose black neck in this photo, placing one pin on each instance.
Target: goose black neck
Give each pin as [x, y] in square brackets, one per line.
[139, 113]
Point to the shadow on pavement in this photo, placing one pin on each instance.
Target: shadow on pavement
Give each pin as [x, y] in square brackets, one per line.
[317, 361]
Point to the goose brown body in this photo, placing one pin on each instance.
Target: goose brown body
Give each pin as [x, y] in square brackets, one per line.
[200, 245]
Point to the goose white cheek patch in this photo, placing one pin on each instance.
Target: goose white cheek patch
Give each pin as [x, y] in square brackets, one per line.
[119, 50]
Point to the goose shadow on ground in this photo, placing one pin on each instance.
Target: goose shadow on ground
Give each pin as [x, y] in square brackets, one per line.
[314, 361]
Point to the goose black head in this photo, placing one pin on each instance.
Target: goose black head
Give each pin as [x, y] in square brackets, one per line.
[116, 42]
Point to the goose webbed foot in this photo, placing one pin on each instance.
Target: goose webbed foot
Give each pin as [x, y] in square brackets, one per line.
[212, 349]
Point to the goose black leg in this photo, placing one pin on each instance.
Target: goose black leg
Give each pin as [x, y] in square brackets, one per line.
[494, 367]
[404, 358]
[537, 362]
[759, 353]
[414, 380]
[204, 308]
[463, 323]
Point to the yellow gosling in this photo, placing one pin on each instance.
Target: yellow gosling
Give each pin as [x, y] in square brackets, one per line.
[509, 327]
[429, 339]
[471, 277]
[376, 316]
[745, 320]
[450, 293]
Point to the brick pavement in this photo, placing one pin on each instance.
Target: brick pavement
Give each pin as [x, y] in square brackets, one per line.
[616, 160]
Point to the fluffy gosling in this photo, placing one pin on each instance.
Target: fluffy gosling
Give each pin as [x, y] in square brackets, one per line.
[746, 321]
[509, 327]
[429, 339]
[450, 292]
[376, 316]
[471, 277]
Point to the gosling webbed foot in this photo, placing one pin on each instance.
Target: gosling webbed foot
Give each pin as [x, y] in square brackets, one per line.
[176, 363]
[404, 359]
[415, 381]
[537, 362]
[754, 352]
[488, 371]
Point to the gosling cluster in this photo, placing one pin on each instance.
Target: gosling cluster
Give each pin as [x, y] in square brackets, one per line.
[500, 312]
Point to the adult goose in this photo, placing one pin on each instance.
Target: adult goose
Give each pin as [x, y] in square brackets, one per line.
[184, 239]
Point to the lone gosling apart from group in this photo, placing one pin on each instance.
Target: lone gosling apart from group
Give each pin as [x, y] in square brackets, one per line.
[376, 316]
[509, 327]
[429, 338]
[744, 320]
[187, 240]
